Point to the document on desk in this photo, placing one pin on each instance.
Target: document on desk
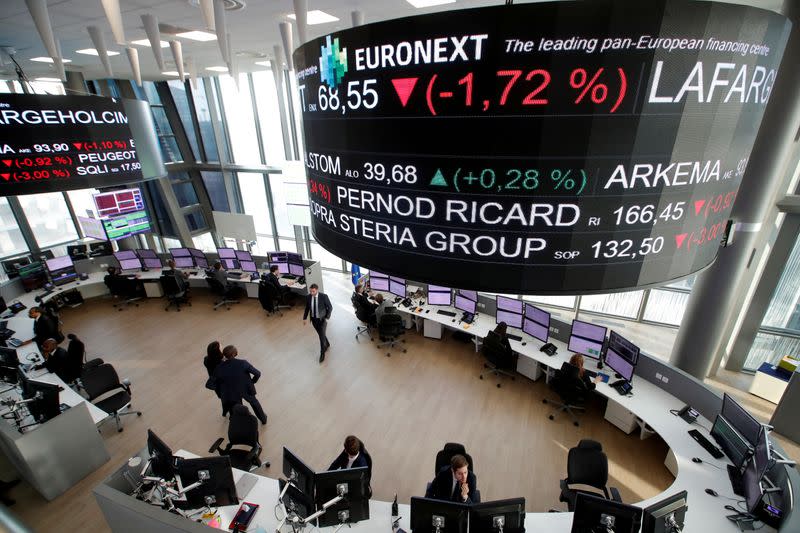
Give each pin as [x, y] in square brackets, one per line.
[245, 485]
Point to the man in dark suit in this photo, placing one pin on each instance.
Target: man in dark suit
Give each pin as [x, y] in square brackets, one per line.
[56, 360]
[274, 279]
[351, 456]
[44, 327]
[363, 306]
[454, 483]
[234, 380]
[318, 305]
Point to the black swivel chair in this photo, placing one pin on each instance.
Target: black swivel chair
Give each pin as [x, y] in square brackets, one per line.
[450, 449]
[271, 299]
[368, 459]
[124, 290]
[501, 360]
[173, 291]
[243, 447]
[570, 389]
[363, 315]
[223, 292]
[76, 353]
[99, 382]
[390, 328]
[587, 464]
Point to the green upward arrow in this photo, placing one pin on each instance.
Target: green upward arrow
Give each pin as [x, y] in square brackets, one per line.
[438, 179]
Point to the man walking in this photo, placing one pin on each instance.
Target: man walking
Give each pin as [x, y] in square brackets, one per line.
[234, 380]
[318, 305]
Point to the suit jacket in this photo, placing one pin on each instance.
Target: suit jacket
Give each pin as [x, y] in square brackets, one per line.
[324, 307]
[234, 379]
[221, 275]
[341, 461]
[442, 487]
[273, 279]
[57, 363]
[211, 365]
[45, 328]
[363, 301]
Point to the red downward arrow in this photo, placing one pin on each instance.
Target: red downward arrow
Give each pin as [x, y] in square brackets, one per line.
[5, 176]
[680, 238]
[77, 145]
[404, 88]
[7, 162]
[698, 206]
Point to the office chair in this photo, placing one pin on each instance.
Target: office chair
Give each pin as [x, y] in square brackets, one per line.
[175, 294]
[222, 291]
[570, 389]
[272, 300]
[364, 316]
[123, 289]
[76, 352]
[368, 459]
[587, 464]
[389, 329]
[501, 361]
[101, 380]
[242, 432]
[450, 449]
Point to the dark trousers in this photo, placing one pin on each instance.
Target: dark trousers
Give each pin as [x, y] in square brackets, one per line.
[320, 325]
[254, 403]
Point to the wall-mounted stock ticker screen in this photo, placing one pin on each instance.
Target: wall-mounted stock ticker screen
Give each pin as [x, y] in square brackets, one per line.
[540, 148]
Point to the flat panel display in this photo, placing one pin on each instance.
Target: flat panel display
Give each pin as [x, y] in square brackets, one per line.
[740, 419]
[146, 254]
[540, 148]
[535, 330]
[180, 252]
[296, 270]
[537, 315]
[183, 262]
[586, 347]
[465, 304]
[125, 254]
[243, 255]
[623, 347]
[472, 295]
[126, 225]
[201, 262]
[152, 262]
[248, 266]
[93, 228]
[619, 364]
[226, 253]
[735, 447]
[588, 331]
[438, 295]
[59, 263]
[229, 264]
[115, 203]
[397, 287]
[509, 304]
[130, 264]
[194, 252]
[513, 320]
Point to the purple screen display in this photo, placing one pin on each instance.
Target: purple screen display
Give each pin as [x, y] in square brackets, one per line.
[438, 297]
[465, 304]
[242, 255]
[509, 304]
[125, 254]
[512, 319]
[586, 347]
[152, 262]
[619, 364]
[536, 330]
[248, 266]
[180, 252]
[397, 288]
[537, 315]
[130, 264]
[57, 263]
[184, 262]
[146, 254]
[588, 331]
[226, 253]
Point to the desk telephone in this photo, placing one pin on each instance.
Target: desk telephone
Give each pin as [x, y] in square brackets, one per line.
[549, 349]
[688, 413]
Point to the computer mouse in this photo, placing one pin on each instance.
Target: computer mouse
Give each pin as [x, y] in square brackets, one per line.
[524, 343]
[711, 492]
[696, 460]
[427, 310]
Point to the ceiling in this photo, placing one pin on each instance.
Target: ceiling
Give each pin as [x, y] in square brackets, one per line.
[254, 30]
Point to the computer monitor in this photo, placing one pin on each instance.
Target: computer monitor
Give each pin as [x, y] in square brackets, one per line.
[733, 445]
[283, 268]
[509, 310]
[248, 266]
[217, 485]
[500, 515]
[92, 228]
[535, 330]
[196, 253]
[226, 253]
[146, 253]
[350, 483]
[183, 262]
[429, 516]
[9, 357]
[97, 249]
[666, 516]
[33, 275]
[294, 258]
[593, 514]
[623, 347]
[397, 286]
[77, 251]
[438, 295]
[619, 364]
[762, 455]
[751, 484]
[742, 421]
[152, 262]
[162, 463]
[130, 264]
[180, 252]
[509, 304]
[378, 281]
[61, 269]
[465, 304]
[118, 202]
[229, 264]
[296, 471]
[295, 501]
[587, 339]
[277, 257]
[122, 226]
[472, 295]
[296, 270]
[201, 262]
[47, 406]
[125, 254]
[243, 255]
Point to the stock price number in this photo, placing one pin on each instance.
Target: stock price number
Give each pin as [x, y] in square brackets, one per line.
[55, 147]
[647, 214]
[626, 248]
[357, 94]
[399, 173]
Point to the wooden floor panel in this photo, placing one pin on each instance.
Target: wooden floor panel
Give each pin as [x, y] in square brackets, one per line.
[404, 407]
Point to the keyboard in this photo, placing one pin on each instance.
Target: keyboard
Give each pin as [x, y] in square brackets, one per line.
[737, 483]
[715, 452]
[288, 276]
[514, 337]
[446, 313]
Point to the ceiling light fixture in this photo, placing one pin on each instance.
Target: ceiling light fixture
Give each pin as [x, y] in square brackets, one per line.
[49, 80]
[146, 42]
[429, 3]
[217, 69]
[317, 17]
[45, 59]
[170, 73]
[197, 35]
[92, 52]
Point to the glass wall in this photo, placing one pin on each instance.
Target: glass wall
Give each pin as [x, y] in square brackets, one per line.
[49, 218]
[204, 121]
[178, 91]
[11, 240]
[240, 119]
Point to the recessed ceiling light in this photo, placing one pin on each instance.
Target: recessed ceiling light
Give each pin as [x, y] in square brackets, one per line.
[264, 63]
[93, 52]
[198, 35]
[429, 3]
[48, 60]
[217, 69]
[146, 42]
[317, 17]
[169, 73]
[50, 80]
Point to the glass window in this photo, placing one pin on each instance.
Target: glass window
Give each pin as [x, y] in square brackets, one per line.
[151, 93]
[624, 304]
[215, 187]
[178, 91]
[558, 301]
[254, 198]
[185, 193]
[770, 348]
[204, 242]
[328, 260]
[239, 116]
[269, 116]
[195, 220]
[784, 308]
[288, 245]
[49, 218]
[171, 243]
[82, 201]
[48, 87]
[159, 207]
[201, 108]
[666, 307]
[11, 240]
[280, 199]
[169, 149]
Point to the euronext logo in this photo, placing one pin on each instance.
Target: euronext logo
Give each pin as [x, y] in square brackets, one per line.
[332, 62]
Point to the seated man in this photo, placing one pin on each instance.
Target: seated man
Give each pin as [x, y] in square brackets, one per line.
[274, 279]
[56, 359]
[384, 306]
[454, 483]
[362, 303]
[351, 456]
[180, 276]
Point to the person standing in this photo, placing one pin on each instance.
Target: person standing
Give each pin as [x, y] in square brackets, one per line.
[44, 327]
[318, 305]
[234, 380]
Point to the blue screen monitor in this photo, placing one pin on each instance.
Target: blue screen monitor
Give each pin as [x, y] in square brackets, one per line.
[587, 339]
[226, 253]
[180, 252]
[438, 295]
[535, 330]
[472, 295]
[183, 262]
[465, 304]
[397, 286]
[243, 255]
[248, 266]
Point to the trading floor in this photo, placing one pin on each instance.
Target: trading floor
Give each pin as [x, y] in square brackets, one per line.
[404, 407]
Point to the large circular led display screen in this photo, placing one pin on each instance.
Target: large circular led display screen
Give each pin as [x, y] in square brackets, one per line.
[565, 147]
